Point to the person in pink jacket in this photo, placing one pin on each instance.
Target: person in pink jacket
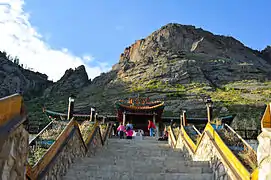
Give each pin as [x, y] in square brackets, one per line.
[129, 133]
[121, 130]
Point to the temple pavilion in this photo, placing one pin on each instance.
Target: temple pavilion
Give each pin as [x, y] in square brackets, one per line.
[138, 111]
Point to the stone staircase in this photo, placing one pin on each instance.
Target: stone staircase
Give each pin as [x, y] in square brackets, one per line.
[130, 159]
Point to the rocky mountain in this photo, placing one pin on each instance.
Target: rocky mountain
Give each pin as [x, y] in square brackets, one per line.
[177, 64]
[266, 54]
[180, 54]
[15, 79]
[70, 82]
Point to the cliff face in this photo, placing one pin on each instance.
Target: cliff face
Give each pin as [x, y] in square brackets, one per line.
[181, 54]
[15, 79]
[71, 82]
[266, 53]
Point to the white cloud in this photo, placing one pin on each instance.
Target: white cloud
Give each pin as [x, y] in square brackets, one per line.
[19, 38]
[88, 58]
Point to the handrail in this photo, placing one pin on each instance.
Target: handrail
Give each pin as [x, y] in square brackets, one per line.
[172, 137]
[39, 169]
[51, 152]
[45, 128]
[88, 140]
[10, 106]
[266, 118]
[196, 130]
[188, 140]
[254, 174]
[231, 160]
[107, 131]
[250, 148]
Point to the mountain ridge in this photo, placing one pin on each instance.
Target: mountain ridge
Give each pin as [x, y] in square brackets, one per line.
[176, 63]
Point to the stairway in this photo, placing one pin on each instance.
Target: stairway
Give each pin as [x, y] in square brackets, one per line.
[140, 160]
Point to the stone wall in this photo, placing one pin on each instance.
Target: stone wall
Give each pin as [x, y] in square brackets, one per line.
[220, 172]
[206, 152]
[73, 149]
[13, 154]
[95, 144]
[264, 154]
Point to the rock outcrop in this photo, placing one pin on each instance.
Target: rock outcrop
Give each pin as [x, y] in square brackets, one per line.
[266, 53]
[16, 79]
[71, 81]
[181, 54]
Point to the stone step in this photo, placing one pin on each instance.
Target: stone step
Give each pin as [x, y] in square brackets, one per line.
[148, 161]
[141, 176]
[142, 151]
[139, 158]
[144, 160]
[143, 168]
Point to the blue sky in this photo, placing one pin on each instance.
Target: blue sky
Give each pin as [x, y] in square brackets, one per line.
[102, 29]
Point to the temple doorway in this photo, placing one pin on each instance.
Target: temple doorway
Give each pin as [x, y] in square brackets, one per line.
[139, 121]
[138, 111]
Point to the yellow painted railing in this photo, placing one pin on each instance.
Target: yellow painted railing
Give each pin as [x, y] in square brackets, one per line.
[254, 174]
[172, 138]
[266, 119]
[190, 142]
[228, 156]
[9, 108]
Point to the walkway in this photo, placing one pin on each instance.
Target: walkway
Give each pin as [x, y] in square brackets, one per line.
[139, 160]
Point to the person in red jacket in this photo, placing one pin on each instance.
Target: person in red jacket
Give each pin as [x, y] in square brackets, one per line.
[151, 127]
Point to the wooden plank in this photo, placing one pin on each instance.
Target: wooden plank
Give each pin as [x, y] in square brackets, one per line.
[10, 107]
[266, 119]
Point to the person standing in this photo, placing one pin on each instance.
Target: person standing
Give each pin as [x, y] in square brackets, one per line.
[121, 130]
[129, 125]
[129, 133]
[151, 127]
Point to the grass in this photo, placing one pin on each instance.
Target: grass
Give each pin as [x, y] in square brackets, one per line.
[247, 156]
[192, 134]
[86, 128]
[35, 155]
[38, 150]
[230, 96]
[54, 132]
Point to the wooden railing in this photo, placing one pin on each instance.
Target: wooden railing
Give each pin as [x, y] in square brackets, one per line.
[12, 135]
[39, 170]
[266, 119]
[228, 157]
[10, 107]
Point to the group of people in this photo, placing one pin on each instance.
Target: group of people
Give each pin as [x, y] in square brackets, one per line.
[128, 130]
